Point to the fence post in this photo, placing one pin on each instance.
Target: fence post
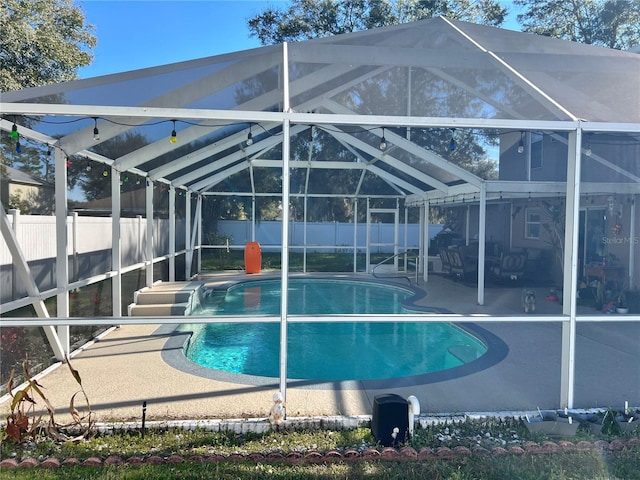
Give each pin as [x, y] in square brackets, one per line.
[74, 244]
[139, 243]
[15, 216]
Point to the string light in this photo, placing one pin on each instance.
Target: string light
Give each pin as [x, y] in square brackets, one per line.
[249, 137]
[383, 141]
[452, 143]
[18, 146]
[14, 131]
[174, 135]
[521, 143]
[96, 132]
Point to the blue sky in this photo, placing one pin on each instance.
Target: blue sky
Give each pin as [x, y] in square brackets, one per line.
[145, 33]
[135, 34]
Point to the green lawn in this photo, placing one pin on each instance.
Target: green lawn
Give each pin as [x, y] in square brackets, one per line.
[588, 464]
[316, 262]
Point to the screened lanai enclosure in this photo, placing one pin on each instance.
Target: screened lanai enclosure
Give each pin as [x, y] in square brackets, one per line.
[523, 151]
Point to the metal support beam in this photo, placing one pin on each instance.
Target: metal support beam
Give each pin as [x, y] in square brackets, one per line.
[62, 247]
[199, 237]
[116, 245]
[355, 235]
[406, 241]
[368, 241]
[482, 228]
[24, 273]
[424, 244]
[149, 236]
[187, 236]
[195, 234]
[570, 269]
[172, 234]
[284, 296]
[632, 246]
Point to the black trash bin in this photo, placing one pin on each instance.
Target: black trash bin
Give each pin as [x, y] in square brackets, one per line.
[390, 411]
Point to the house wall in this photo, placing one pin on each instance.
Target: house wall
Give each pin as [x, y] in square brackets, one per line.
[497, 223]
[38, 198]
[619, 239]
[618, 242]
[608, 151]
[515, 166]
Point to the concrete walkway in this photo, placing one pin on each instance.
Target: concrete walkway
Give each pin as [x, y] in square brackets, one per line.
[126, 367]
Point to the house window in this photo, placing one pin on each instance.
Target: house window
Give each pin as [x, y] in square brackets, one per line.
[532, 224]
[536, 150]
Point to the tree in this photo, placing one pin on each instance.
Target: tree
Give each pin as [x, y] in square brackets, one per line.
[608, 23]
[42, 42]
[94, 179]
[306, 19]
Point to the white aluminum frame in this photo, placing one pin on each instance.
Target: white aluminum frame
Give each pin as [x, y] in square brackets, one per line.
[293, 122]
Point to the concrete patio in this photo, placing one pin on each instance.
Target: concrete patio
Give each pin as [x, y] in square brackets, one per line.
[127, 366]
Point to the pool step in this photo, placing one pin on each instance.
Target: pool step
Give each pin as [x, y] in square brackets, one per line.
[167, 299]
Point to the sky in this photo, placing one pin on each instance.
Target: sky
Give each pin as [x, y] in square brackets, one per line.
[135, 34]
[146, 33]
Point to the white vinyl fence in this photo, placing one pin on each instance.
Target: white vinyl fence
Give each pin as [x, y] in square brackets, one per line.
[89, 248]
[322, 236]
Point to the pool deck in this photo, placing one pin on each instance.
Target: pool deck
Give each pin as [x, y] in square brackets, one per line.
[126, 367]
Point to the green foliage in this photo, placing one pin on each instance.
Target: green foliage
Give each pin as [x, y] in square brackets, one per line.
[577, 466]
[306, 19]
[608, 23]
[219, 239]
[316, 262]
[42, 42]
[91, 177]
[591, 464]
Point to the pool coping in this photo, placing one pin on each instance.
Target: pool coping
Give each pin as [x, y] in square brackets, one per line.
[497, 350]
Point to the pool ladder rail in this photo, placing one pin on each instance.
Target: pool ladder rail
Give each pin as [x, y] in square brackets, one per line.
[396, 275]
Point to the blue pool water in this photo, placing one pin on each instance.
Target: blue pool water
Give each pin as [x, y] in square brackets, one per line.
[327, 351]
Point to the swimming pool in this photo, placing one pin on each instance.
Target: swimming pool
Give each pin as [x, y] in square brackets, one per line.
[336, 351]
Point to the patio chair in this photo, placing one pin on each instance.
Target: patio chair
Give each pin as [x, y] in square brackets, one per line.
[511, 266]
[444, 258]
[462, 266]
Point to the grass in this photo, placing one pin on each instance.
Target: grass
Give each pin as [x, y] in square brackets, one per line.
[214, 260]
[590, 464]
